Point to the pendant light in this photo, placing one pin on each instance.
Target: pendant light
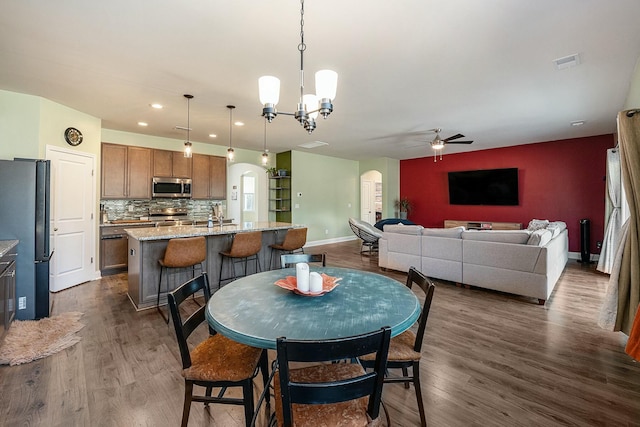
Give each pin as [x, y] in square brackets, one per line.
[265, 152]
[310, 105]
[187, 143]
[230, 152]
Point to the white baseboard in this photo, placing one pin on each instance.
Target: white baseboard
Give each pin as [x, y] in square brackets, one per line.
[329, 241]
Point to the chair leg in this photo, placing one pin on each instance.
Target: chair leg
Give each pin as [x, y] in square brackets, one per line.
[221, 268]
[166, 318]
[416, 384]
[207, 393]
[247, 396]
[188, 391]
[405, 373]
[264, 368]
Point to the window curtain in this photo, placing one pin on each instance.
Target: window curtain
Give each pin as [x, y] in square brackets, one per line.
[627, 318]
[614, 222]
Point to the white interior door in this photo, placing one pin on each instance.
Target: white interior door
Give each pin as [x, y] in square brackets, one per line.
[72, 219]
[366, 202]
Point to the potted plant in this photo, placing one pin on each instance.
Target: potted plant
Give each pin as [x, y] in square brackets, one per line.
[271, 171]
[403, 206]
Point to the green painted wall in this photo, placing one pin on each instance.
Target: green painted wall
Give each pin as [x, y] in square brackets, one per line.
[19, 125]
[330, 190]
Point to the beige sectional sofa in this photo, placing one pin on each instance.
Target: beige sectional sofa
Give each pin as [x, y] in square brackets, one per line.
[522, 262]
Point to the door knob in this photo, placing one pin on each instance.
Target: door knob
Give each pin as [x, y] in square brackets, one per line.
[55, 229]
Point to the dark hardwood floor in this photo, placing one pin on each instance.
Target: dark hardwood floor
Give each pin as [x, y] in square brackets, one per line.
[489, 359]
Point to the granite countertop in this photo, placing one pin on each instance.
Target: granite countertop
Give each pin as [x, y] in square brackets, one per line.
[6, 245]
[163, 233]
[149, 222]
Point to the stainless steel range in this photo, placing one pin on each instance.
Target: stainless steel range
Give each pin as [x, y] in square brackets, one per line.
[167, 217]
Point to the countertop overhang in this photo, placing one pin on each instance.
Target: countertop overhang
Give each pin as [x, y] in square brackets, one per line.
[163, 233]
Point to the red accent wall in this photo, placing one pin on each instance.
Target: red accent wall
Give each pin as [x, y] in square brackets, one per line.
[559, 180]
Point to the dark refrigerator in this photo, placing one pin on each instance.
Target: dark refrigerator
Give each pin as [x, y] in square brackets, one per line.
[24, 216]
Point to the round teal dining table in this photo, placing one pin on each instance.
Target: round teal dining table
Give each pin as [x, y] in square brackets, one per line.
[254, 311]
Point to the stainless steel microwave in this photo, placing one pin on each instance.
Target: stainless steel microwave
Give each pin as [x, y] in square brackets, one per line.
[171, 187]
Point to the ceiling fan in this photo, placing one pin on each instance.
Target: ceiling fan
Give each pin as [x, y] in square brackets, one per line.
[438, 143]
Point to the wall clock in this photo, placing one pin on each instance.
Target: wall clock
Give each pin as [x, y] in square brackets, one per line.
[73, 136]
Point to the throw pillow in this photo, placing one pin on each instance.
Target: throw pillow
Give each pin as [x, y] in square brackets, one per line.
[537, 224]
[453, 232]
[539, 237]
[556, 227]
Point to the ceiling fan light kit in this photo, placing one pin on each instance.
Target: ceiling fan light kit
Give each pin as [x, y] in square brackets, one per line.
[438, 143]
[310, 105]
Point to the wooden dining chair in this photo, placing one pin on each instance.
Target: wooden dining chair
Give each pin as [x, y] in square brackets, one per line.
[215, 362]
[405, 349]
[336, 393]
[290, 260]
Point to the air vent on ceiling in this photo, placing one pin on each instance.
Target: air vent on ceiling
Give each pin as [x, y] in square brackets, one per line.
[567, 61]
[313, 144]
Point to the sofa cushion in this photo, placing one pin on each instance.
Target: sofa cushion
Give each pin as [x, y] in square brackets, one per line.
[443, 232]
[403, 229]
[537, 224]
[540, 237]
[500, 236]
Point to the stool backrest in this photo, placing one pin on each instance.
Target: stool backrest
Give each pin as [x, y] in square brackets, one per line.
[185, 252]
[294, 239]
[246, 244]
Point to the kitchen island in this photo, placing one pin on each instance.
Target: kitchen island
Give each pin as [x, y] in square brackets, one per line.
[147, 246]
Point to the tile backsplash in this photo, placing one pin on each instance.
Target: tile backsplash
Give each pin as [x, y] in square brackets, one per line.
[133, 209]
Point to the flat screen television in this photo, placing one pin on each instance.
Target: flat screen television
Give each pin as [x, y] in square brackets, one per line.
[484, 187]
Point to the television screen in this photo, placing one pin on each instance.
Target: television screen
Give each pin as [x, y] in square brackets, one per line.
[484, 187]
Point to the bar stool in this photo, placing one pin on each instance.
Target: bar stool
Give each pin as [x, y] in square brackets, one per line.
[186, 252]
[294, 240]
[244, 246]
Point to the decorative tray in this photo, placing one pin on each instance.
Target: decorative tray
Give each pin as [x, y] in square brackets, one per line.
[290, 283]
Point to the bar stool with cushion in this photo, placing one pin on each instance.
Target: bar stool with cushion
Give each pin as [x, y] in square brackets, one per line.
[244, 246]
[187, 252]
[294, 240]
[405, 350]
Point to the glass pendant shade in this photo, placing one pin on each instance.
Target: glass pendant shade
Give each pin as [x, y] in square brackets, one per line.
[265, 158]
[187, 149]
[231, 154]
[326, 84]
[310, 102]
[269, 88]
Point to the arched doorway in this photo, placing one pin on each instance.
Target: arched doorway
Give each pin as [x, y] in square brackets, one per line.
[371, 196]
[247, 193]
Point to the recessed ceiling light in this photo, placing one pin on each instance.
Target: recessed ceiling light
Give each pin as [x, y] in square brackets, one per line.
[156, 106]
[143, 124]
[313, 144]
[213, 135]
[239, 123]
[567, 61]
[577, 123]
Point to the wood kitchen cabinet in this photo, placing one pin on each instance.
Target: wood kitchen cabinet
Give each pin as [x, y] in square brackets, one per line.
[126, 172]
[171, 164]
[209, 177]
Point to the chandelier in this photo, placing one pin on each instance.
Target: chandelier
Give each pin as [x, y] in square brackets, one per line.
[310, 105]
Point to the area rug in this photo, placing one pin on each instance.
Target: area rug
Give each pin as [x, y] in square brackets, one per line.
[29, 340]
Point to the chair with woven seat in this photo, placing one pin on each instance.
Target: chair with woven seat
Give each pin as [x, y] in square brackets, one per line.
[244, 247]
[293, 241]
[290, 260]
[332, 392]
[215, 362]
[186, 252]
[405, 350]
